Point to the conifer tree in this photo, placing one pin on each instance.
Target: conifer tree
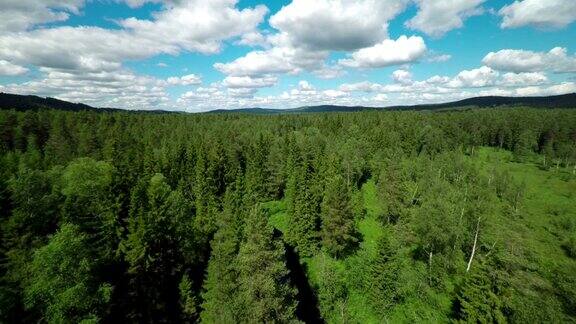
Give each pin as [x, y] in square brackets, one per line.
[221, 284]
[303, 210]
[339, 233]
[265, 292]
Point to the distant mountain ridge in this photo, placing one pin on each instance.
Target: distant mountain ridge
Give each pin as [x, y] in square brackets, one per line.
[559, 101]
[29, 102]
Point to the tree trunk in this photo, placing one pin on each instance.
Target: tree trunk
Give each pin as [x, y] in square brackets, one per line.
[459, 224]
[474, 247]
[430, 269]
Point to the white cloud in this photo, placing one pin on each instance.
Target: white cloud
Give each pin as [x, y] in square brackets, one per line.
[387, 53]
[7, 68]
[381, 97]
[21, 15]
[334, 93]
[539, 13]
[523, 79]
[435, 18]
[190, 79]
[249, 82]
[277, 60]
[305, 86]
[242, 92]
[121, 89]
[253, 38]
[476, 78]
[556, 60]
[336, 24]
[197, 26]
[439, 58]
[361, 87]
[402, 77]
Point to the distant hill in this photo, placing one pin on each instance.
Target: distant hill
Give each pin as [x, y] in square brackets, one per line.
[22, 103]
[561, 101]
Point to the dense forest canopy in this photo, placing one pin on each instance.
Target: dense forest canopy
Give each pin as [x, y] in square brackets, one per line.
[343, 218]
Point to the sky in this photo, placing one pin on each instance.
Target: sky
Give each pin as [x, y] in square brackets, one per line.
[199, 55]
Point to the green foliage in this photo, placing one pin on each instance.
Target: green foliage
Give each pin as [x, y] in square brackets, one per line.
[62, 285]
[89, 203]
[221, 304]
[339, 235]
[384, 292]
[188, 300]
[264, 291]
[477, 302]
[304, 213]
[394, 216]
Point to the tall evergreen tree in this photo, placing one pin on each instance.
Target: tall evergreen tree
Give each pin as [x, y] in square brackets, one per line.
[339, 234]
[265, 292]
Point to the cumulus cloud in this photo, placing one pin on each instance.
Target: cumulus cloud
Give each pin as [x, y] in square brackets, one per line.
[538, 13]
[556, 60]
[523, 79]
[435, 18]
[402, 76]
[121, 89]
[335, 24]
[307, 31]
[182, 27]
[387, 53]
[196, 25]
[253, 38]
[476, 78]
[7, 68]
[235, 82]
[304, 85]
[190, 79]
[277, 60]
[77, 59]
[480, 78]
[21, 15]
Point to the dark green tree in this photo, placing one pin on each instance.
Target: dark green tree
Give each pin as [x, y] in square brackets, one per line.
[339, 234]
[62, 283]
[265, 292]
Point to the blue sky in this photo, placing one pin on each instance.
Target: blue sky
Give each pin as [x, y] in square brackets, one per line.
[197, 55]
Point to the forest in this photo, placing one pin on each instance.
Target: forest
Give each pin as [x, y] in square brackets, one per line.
[366, 217]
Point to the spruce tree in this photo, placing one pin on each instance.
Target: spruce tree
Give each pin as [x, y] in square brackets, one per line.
[339, 234]
[221, 284]
[265, 292]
